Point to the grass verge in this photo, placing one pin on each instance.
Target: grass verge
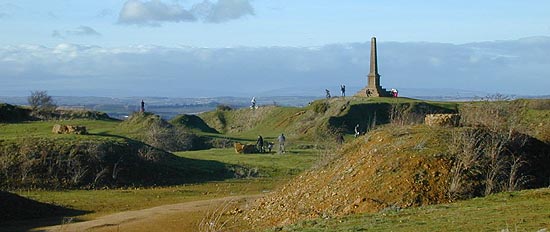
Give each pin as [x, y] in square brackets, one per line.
[526, 210]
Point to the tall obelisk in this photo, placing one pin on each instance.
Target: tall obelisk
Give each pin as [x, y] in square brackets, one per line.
[373, 88]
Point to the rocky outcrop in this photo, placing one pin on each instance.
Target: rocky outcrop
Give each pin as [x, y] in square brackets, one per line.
[244, 148]
[450, 120]
[69, 129]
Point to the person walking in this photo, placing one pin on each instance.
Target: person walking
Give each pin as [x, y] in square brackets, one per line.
[282, 140]
[260, 144]
[343, 90]
[356, 130]
[327, 93]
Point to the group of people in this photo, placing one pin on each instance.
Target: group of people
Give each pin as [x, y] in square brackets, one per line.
[393, 92]
[260, 144]
[342, 91]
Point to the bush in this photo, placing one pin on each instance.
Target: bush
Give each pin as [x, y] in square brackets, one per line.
[222, 107]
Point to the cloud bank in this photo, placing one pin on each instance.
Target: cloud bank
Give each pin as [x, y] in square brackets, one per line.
[510, 67]
[79, 31]
[155, 12]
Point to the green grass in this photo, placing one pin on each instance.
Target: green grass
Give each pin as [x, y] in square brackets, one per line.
[44, 128]
[268, 165]
[108, 201]
[527, 210]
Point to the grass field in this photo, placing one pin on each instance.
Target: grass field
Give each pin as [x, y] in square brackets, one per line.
[527, 210]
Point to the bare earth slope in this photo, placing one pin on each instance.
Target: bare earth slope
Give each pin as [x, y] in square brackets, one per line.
[389, 168]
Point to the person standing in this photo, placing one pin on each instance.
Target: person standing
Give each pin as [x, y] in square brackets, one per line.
[260, 144]
[343, 90]
[356, 130]
[327, 93]
[142, 109]
[253, 103]
[282, 140]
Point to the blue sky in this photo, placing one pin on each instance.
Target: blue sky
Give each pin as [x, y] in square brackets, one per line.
[279, 23]
[202, 48]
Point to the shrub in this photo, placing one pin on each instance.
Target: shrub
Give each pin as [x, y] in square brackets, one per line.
[223, 107]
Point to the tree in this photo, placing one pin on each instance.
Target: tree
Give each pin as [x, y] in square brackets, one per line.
[41, 103]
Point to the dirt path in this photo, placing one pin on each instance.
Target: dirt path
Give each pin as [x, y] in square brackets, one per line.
[176, 217]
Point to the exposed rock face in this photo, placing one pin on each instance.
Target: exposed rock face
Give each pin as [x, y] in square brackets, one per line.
[244, 148]
[69, 129]
[450, 120]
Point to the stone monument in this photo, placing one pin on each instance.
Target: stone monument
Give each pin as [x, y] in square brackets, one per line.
[373, 88]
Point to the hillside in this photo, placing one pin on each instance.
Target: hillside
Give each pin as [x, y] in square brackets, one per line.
[111, 154]
[322, 118]
[525, 210]
[394, 167]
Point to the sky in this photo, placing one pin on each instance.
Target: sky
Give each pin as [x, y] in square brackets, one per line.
[267, 22]
[122, 47]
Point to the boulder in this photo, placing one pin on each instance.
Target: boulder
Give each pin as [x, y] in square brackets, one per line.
[244, 148]
[450, 120]
[69, 129]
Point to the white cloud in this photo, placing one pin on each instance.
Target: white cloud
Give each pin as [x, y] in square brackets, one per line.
[79, 31]
[152, 13]
[223, 10]
[83, 31]
[142, 68]
[155, 12]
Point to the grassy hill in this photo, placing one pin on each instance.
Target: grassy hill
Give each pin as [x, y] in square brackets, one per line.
[322, 119]
[111, 154]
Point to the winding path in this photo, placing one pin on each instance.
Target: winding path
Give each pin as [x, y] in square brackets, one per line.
[175, 217]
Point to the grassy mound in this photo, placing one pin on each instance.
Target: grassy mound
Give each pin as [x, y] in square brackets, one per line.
[391, 167]
[157, 132]
[96, 162]
[192, 122]
[137, 123]
[69, 162]
[15, 207]
[11, 113]
[81, 114]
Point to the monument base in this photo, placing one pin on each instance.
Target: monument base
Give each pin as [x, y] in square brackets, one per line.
[373, 92]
